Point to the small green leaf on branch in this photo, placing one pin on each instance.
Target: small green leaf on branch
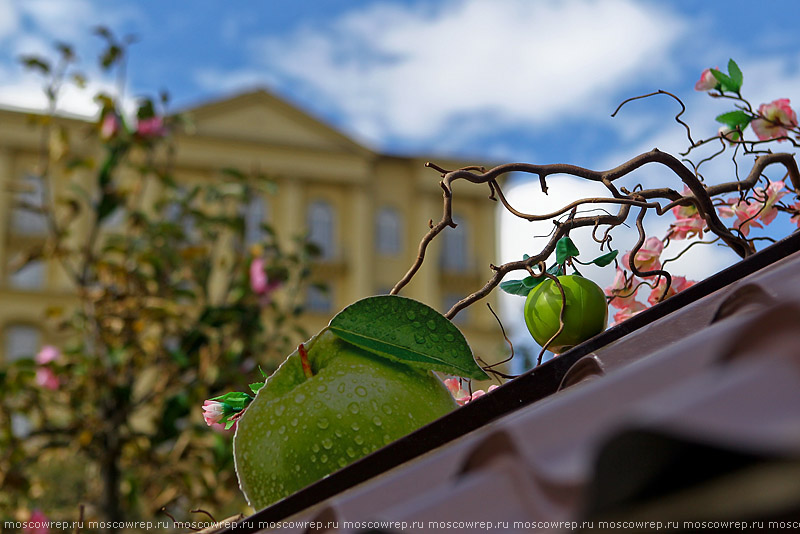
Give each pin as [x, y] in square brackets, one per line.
[735, 119]
[735, 74]
[605, 259]
[565, 249]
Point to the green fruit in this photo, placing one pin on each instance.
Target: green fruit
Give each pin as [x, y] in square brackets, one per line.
[299, 429]
[586, 314]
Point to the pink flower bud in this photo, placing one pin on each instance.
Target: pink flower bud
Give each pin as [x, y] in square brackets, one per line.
[258, 277]
[707, 81]
[109, 127]
[213, 411]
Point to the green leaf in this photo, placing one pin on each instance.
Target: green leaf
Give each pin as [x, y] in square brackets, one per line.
[408, 331]
[735, 119]
[236, 400]
[565, 249]
[605, 259]
[726, 84]
[735, 74]
[254, 387]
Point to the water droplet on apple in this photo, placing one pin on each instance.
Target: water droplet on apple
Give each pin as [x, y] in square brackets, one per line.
[387, 409]
[322, 387]
[313, 458]
[278, 411]
[361, 391]
[417, 325]
[355, 427]
[423, 312]
[411, 315]
[297, 468]
[323, 423]
[359, 440]
[315, 447]
[338, 433]
[341, 388]
[449, 338]
[299, 398]
[351, 452]
[342, 462]
[365, 450]
[431, 324]
[353, 407]
[323, 458]
[419, 339]
[327, 443]
[294, 422]
[282, 429]
[387, 439]
[434, 338]
[377, 421]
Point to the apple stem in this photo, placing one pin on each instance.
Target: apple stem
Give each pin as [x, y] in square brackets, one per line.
[304, 361]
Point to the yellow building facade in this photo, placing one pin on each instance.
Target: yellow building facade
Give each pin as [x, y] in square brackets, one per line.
[367, 211]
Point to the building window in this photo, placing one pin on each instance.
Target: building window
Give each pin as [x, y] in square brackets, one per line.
[31, 276]
[321, 228]
[388, 232]
[21, 341]
[455, 257]
[25, 217]
[318, 300]
[255, 214]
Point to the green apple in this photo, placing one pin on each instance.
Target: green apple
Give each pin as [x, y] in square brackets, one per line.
[307, 423]
[586, 314]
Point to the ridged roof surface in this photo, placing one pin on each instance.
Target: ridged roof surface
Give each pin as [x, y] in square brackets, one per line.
[690, 411]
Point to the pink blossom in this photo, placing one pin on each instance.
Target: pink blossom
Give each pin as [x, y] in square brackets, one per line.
[151, 128]
[629, 311]
[688, 222]
[46, 378]
[679, 283]
[622, 290]
[796, 217]
[213, 412]
[707, 81]
[647, 258]
[775, 120]
[729, 134]
[38, 523]
[768, 198]
[109, 127]
[47, 354]
[480, 393]
[462, 396]
[745, 213]
[260, 282]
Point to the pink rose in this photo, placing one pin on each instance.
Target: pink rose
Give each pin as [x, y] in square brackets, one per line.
[648, 257]
[38, 523]
[687, 223]
[622, 290]
[707, 81]
[679, 283]
[151, 128]
[46, 378]
[775, 120]
[47, 354]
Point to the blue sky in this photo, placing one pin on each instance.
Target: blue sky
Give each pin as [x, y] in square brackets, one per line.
[489, 80]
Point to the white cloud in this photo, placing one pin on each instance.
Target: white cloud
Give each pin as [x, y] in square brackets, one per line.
[412, 72]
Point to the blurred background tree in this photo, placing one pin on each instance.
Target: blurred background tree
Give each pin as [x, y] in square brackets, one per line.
[175, 302]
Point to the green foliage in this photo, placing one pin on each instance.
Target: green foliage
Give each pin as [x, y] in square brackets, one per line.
[162, 321]
[409, 331]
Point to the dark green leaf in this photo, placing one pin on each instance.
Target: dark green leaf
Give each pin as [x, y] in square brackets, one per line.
[565, 249]
[521, 287]
[556, 270]
[605, 259]
[237, 400]
[734, 119]
[409, 331]
[735, 74]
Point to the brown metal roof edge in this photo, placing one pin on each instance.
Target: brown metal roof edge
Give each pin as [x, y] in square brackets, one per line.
[528, 388]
